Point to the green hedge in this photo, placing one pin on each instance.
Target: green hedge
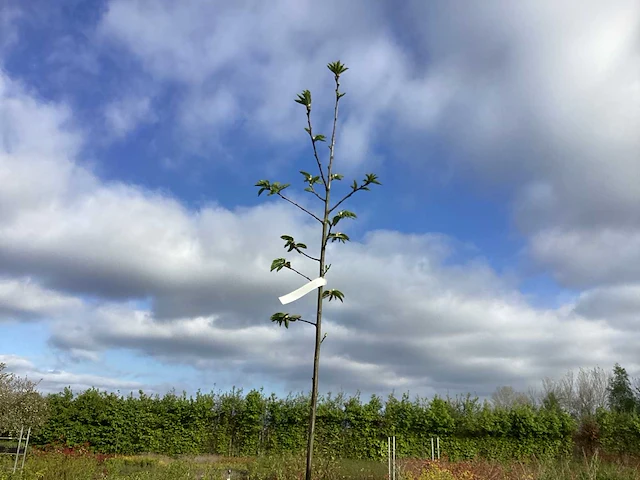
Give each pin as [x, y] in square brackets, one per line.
[246, 425]
[619, 432]
[252, 424]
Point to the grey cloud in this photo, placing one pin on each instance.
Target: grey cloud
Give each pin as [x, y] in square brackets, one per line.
[478, 337]
[617, 305]
[589, 257]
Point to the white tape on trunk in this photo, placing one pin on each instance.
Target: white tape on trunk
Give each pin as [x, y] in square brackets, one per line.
[303, 290]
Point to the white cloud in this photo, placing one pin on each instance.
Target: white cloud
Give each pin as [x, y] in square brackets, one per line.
[53, 380]
[547, 105]
[540, 97]
[411, 319]
[246, 63]
[123, 116]
[35, 138]
[22, 298]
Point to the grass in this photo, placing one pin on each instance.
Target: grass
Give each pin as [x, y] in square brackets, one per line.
[86, 466]
[588, 468]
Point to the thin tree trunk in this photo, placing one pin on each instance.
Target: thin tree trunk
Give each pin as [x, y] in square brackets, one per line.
[323, 248]
[316, 357]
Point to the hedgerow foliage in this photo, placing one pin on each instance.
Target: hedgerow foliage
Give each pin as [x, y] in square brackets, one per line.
[235, 424]
[246, 425]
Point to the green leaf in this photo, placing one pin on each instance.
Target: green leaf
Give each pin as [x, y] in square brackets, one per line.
[354, 185]
[278, 264]
[276, 187]
[284, 318]
[326, 269]
[304, 98]
[371, 178]
[310, 179]
[264, 185]
[289, 243]
[342, 214]
[336, 176]
[337, 68]
[333, 295]
[342, 94]
[338, 236]
[319, 138]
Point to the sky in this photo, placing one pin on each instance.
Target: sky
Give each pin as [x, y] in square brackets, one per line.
[503, 246]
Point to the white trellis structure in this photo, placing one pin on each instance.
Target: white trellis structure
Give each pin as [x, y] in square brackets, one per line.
[391, 454]
[22, 441]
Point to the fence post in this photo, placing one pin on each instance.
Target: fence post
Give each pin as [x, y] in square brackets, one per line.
[389, 456]
[394, 457]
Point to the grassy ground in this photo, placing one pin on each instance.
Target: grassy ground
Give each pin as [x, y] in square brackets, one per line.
[61, 466]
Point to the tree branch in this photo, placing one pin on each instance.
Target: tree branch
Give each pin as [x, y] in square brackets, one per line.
[300, 207]
[299, 273]
[306, 321]
[308, 256]
[345, 197]
[316, 194]
[315, 149]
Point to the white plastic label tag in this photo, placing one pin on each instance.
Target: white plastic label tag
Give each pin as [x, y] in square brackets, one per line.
[303, 290]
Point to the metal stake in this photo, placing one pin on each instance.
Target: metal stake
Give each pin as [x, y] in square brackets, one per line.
[15, 464]
[26, 446]
[389, 456]
[394, 457]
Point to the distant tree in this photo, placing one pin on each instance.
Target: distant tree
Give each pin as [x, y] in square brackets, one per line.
[506, 397]
[591, 391]
[579, 395]
[20, 403]
[550, 401]
[319, 186]
[621, 396]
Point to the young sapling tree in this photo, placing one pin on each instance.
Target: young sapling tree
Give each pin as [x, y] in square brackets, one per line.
[320, 187]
